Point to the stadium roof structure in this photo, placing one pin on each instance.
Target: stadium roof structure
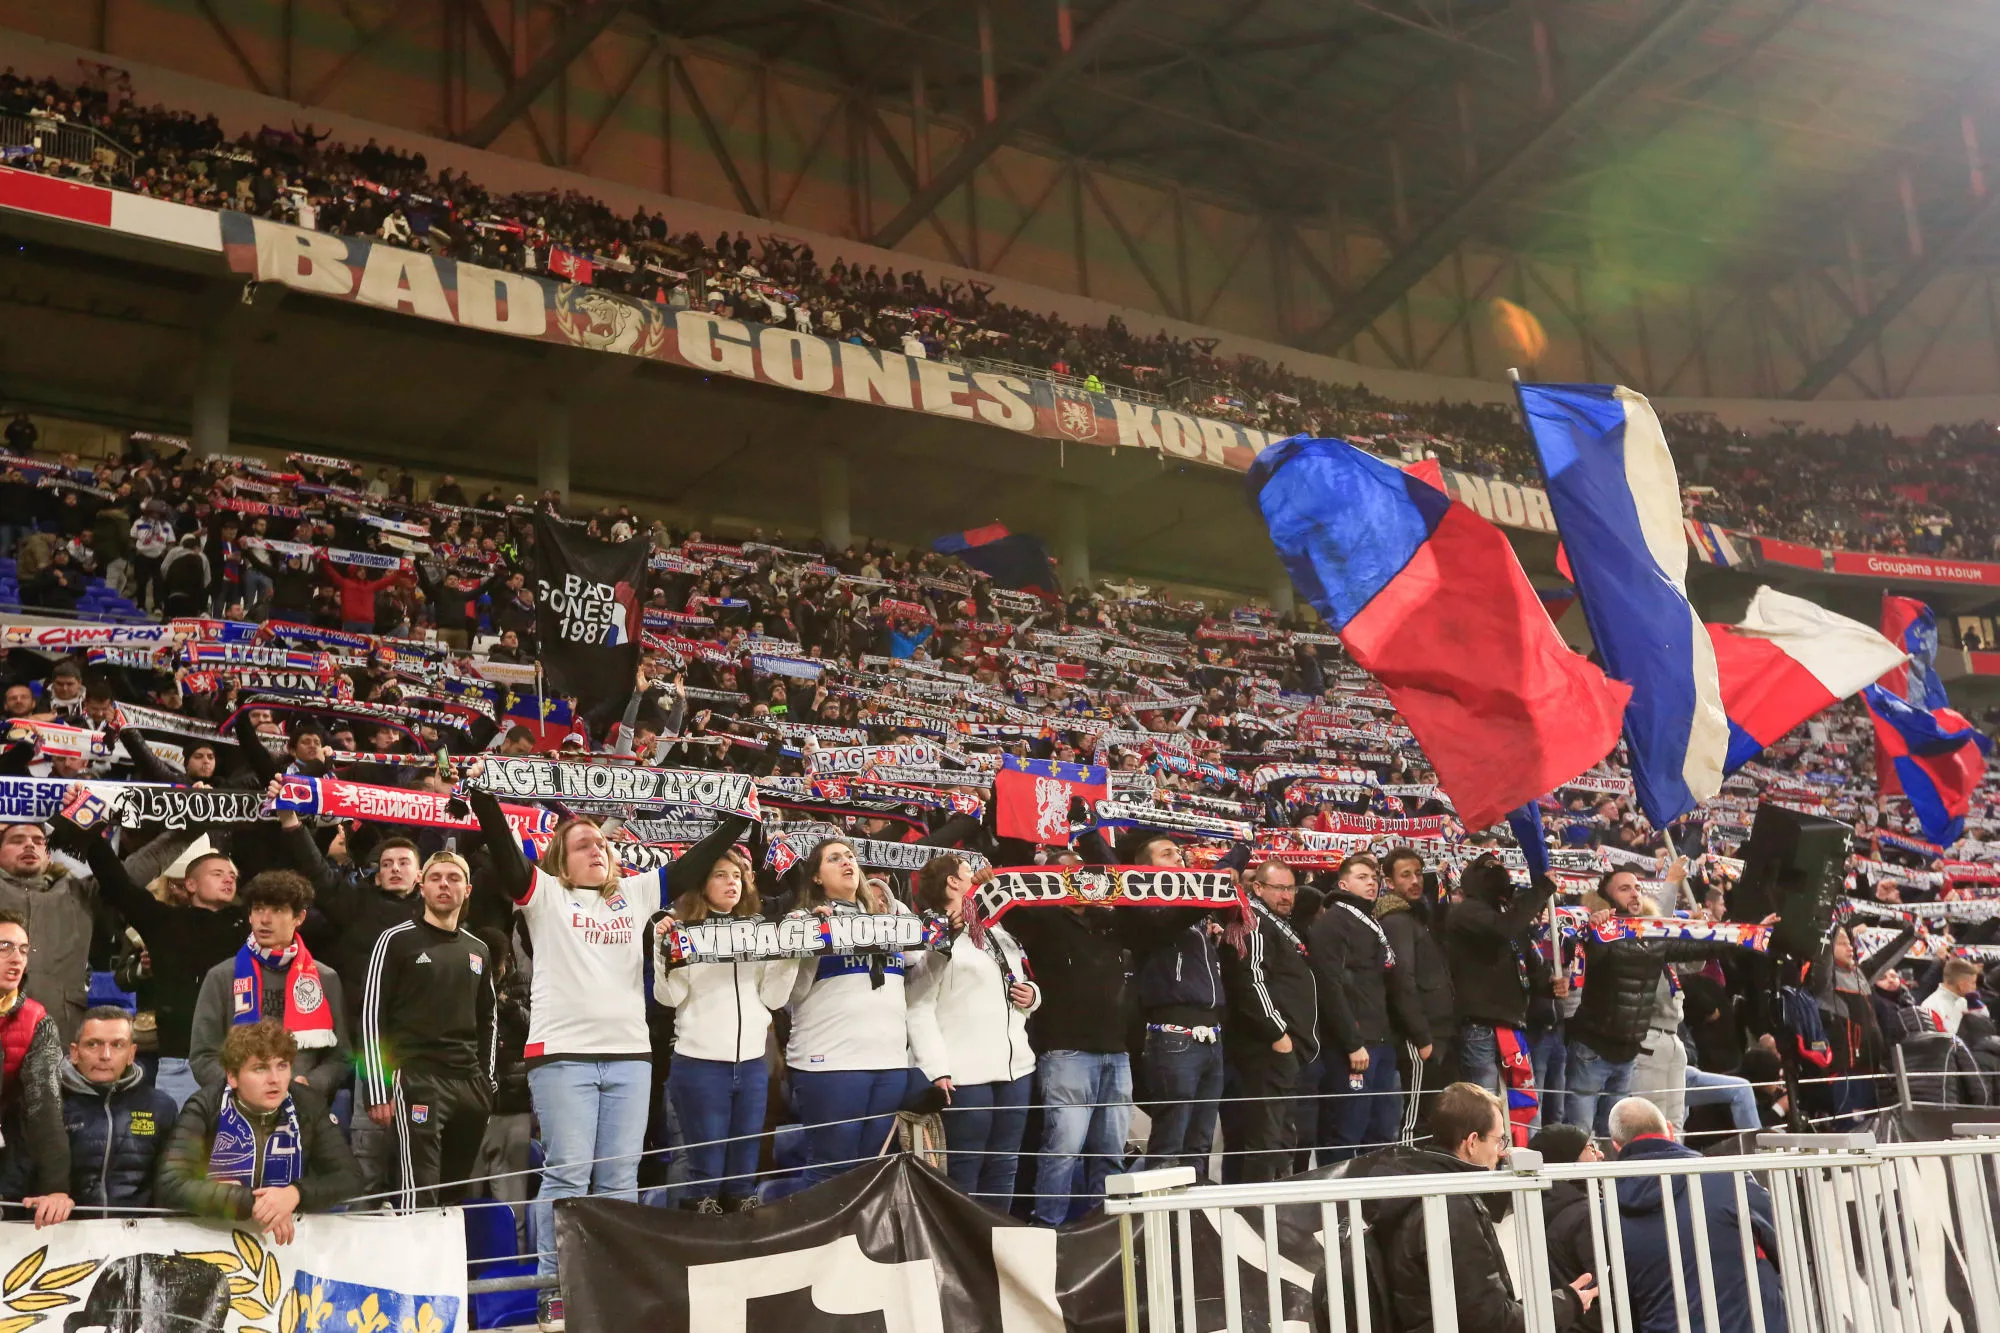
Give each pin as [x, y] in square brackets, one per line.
[1748, 143]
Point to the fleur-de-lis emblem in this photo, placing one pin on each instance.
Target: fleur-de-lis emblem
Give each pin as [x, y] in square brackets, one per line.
[369, 1318]
[318, 1307]
[425, 1321]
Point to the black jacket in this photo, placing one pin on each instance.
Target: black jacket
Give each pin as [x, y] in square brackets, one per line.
[116, 1132]
[357, 910]
[330, 1177]
[1621, 990]
[1078, 960]
[1408, 927]
[1566, 1220]
[1179, 965]
[1486, 1301]
[1271, 987]
[1363, 1000]
[1495, 967]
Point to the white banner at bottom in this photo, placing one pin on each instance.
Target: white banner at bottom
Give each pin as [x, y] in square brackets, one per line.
[370, 1273]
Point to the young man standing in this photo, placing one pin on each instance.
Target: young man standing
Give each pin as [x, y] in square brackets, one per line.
[1273, 1031]
[259, 1147]
[274, 976]
[427, 1035]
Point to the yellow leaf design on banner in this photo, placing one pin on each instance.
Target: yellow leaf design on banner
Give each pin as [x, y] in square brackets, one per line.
[247, 1246]
[249, 1308]
[270, 1278]
[288, 1313]
[19, 1275]
[40, 1300]
[316, 1308]
[19, 1322]
[67, 1275]
[426, 1321]
[242, 1286]
[226, 1260]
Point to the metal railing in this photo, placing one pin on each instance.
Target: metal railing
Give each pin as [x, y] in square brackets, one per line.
[1865, 1233]
[64, 140]
[998, 367]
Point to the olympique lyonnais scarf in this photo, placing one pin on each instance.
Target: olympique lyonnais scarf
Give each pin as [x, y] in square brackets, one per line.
[258, 655]
[555, 779]
[1108, 886]
[232, 1158]
[308, 1017]
[337, 798]
[290, 632]
[749, 939]
[1270, 773]
[860, 758]
[1523, 1101]
[871, 797]
[340, 555]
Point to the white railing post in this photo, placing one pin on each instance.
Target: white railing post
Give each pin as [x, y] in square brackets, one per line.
[1159, 1247]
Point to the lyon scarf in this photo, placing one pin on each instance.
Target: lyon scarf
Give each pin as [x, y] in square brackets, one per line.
[308, 1017]
[232, 1159]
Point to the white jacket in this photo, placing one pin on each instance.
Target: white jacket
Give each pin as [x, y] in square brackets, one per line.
[962, 1025]
[1949, 1006]
[722, 1011]
[840, 1019]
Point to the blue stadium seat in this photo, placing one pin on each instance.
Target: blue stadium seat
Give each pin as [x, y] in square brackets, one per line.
[104, 990]
[492, 1249]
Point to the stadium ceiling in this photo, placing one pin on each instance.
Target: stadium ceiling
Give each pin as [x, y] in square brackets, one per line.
[1742, 142]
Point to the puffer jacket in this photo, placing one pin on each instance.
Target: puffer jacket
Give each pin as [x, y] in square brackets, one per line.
[116, 1133]
[329, 1176]
[1621, 990]
[35, 1158]
[1649, 1266]
[1486, 1300]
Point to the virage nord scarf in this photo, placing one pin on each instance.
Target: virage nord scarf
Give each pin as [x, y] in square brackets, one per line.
[308, 1017]
[232, 1158]
[805, 935]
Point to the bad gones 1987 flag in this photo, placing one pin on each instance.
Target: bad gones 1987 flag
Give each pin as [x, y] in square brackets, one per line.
[587, 616]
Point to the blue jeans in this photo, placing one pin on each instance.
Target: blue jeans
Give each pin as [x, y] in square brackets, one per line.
[1706, 1089]
[1183, 1083]
[1087, 1100]
[847, 1114]
[982, 1133]
[593, 1115]
[1352, 1119]
[1479, 1056]
[717, 1100]
[1549, 1053]
[175, 1077]
[1594, 1085]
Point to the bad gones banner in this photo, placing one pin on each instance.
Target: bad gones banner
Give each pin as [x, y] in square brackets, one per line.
[892, 1245]
[372, 1271]
[587, 617]
[556, 780]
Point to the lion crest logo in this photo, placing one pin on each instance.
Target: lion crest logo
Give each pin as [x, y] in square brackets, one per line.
[1076, 412]
[605, 323]
[1093, 886]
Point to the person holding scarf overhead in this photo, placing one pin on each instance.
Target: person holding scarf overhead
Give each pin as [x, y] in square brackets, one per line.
[261, 1147]
[275, 977]
[589, 1051]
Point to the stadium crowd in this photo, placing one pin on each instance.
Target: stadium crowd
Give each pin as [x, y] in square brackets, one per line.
[1862, 489]
[241, 963]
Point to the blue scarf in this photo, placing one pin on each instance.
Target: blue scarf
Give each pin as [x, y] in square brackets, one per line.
[233, 1156]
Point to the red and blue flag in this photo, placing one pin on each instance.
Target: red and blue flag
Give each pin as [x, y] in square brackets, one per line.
[1429, 597]
[1937, 756]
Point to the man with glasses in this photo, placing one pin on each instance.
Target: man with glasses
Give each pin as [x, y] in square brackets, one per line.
[115, 1120]
[36, 1151]
[1468, 1132]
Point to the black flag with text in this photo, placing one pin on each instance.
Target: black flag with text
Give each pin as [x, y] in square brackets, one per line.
[587, 615]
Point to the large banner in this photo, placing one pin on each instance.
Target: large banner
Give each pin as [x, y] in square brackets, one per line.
[366, 1273]
[587, 617]
[890, 1246]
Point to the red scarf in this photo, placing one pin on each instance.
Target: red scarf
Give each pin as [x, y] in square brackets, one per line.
[308, 1016]
[1518, 1072]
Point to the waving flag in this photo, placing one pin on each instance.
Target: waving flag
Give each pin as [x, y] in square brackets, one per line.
[1913, 625]
[1011, 559]
[1787, 660]
[1429, 597]
[1938, 757]
[1031, 797]
[1617, 502]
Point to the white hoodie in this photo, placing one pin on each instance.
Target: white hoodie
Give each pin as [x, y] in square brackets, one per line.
[962, 1025]
[722, 1011]
[840, 1019]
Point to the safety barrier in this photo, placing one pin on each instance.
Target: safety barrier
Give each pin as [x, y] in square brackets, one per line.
[1869, 1238]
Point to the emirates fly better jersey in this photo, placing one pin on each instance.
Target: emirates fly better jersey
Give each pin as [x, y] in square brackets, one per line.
[588, 1000]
